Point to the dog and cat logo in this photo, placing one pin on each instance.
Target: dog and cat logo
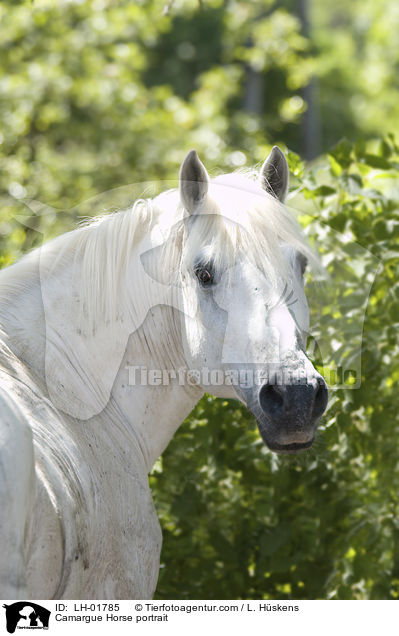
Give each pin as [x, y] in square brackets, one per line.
[26, 615]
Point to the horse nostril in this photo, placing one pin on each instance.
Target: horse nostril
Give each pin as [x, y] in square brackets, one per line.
[320, 400]
[271, 400]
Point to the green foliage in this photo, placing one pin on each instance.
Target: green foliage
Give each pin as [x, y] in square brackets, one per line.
[355, 46]
[95, 95]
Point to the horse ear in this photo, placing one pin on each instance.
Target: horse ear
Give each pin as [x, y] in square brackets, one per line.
[193, 182]
[274, 174]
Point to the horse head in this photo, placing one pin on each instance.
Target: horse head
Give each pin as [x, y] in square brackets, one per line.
[246, 316]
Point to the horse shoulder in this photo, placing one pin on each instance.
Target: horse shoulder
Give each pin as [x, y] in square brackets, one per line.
[123, 540]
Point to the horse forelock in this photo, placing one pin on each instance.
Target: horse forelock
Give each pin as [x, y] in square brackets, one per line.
[239, 218]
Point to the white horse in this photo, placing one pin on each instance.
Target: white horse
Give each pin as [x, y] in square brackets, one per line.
[109, 336]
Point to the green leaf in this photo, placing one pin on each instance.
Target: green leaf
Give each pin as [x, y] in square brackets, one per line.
[374, 161]
[342, 153]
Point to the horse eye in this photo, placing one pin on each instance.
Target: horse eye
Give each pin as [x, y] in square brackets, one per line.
[203, 275]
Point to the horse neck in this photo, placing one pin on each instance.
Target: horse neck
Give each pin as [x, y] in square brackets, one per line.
[88, 374]
[147, 386]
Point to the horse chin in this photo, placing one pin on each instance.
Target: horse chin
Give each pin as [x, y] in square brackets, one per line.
[289, 449]
[288, 444]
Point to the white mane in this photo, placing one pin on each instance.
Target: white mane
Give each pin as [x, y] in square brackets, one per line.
[237, 217]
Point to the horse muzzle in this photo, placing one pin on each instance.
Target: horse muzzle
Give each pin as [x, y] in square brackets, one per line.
[288, 415]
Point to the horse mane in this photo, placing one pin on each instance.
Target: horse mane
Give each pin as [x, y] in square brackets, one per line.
[237, 217]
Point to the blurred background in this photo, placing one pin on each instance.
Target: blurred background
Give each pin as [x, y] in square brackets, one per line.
[98, 95]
